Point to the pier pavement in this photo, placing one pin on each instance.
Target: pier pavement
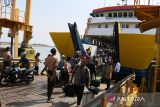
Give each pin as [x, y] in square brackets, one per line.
[35, 95]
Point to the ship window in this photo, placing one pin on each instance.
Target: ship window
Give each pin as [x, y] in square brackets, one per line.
[109, 14]
[97, 15]
[127, 25]
[120, 14]
[99, 26]
[123, 25]
[101, 15]
[130, 14]
[114, 14]
[124, 14]
[136, 26]
[106, 25]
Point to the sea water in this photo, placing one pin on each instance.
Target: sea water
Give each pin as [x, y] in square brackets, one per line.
[44, 51]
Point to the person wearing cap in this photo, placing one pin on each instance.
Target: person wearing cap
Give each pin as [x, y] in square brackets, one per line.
[81, 76]
[24, 62]
[7, 58]
[51, 65]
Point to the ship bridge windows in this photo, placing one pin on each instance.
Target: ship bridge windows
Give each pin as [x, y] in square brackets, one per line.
[124, 14]
[109, 14]
[114, 14]
[101, 15]
[130, 14]
[120, 14]
[97, 15]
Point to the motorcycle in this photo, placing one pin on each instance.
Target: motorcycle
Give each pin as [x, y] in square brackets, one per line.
[14, 74]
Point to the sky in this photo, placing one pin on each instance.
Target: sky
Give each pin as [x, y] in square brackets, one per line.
[54, 16]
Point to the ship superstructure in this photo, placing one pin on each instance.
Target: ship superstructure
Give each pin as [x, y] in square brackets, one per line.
[100, 25]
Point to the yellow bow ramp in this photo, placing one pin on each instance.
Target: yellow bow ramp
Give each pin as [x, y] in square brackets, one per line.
[63, 43]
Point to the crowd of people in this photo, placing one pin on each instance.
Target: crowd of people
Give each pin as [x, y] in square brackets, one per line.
[79, 70]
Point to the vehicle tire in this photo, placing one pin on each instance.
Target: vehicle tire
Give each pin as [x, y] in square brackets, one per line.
[4, 81]
[30, 78]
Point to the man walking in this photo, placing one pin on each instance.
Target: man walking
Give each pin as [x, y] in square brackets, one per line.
[51, 65]
[81, 78]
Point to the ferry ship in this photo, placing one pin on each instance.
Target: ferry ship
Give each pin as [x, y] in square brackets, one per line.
[135, 50]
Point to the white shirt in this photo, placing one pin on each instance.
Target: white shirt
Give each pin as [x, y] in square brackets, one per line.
[117, 67]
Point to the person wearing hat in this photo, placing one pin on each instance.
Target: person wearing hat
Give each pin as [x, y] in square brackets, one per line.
[51, 65]
[7, 58]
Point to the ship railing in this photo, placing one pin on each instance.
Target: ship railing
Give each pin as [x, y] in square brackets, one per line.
[16, 60]
[108, 98]
[6, 12]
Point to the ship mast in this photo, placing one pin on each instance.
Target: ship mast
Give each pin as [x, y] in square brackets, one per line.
[124, 2]
[137, 2]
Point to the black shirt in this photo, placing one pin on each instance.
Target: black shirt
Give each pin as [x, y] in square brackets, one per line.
[24, 63]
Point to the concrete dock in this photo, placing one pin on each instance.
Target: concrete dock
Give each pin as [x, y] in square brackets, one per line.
[35, 95]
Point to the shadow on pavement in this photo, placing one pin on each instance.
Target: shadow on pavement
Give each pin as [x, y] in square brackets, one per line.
[63, 104]
[26, 103]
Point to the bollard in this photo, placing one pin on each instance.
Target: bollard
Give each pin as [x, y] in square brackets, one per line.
[104, 102]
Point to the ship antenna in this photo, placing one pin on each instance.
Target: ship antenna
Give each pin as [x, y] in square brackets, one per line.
[124, 2]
